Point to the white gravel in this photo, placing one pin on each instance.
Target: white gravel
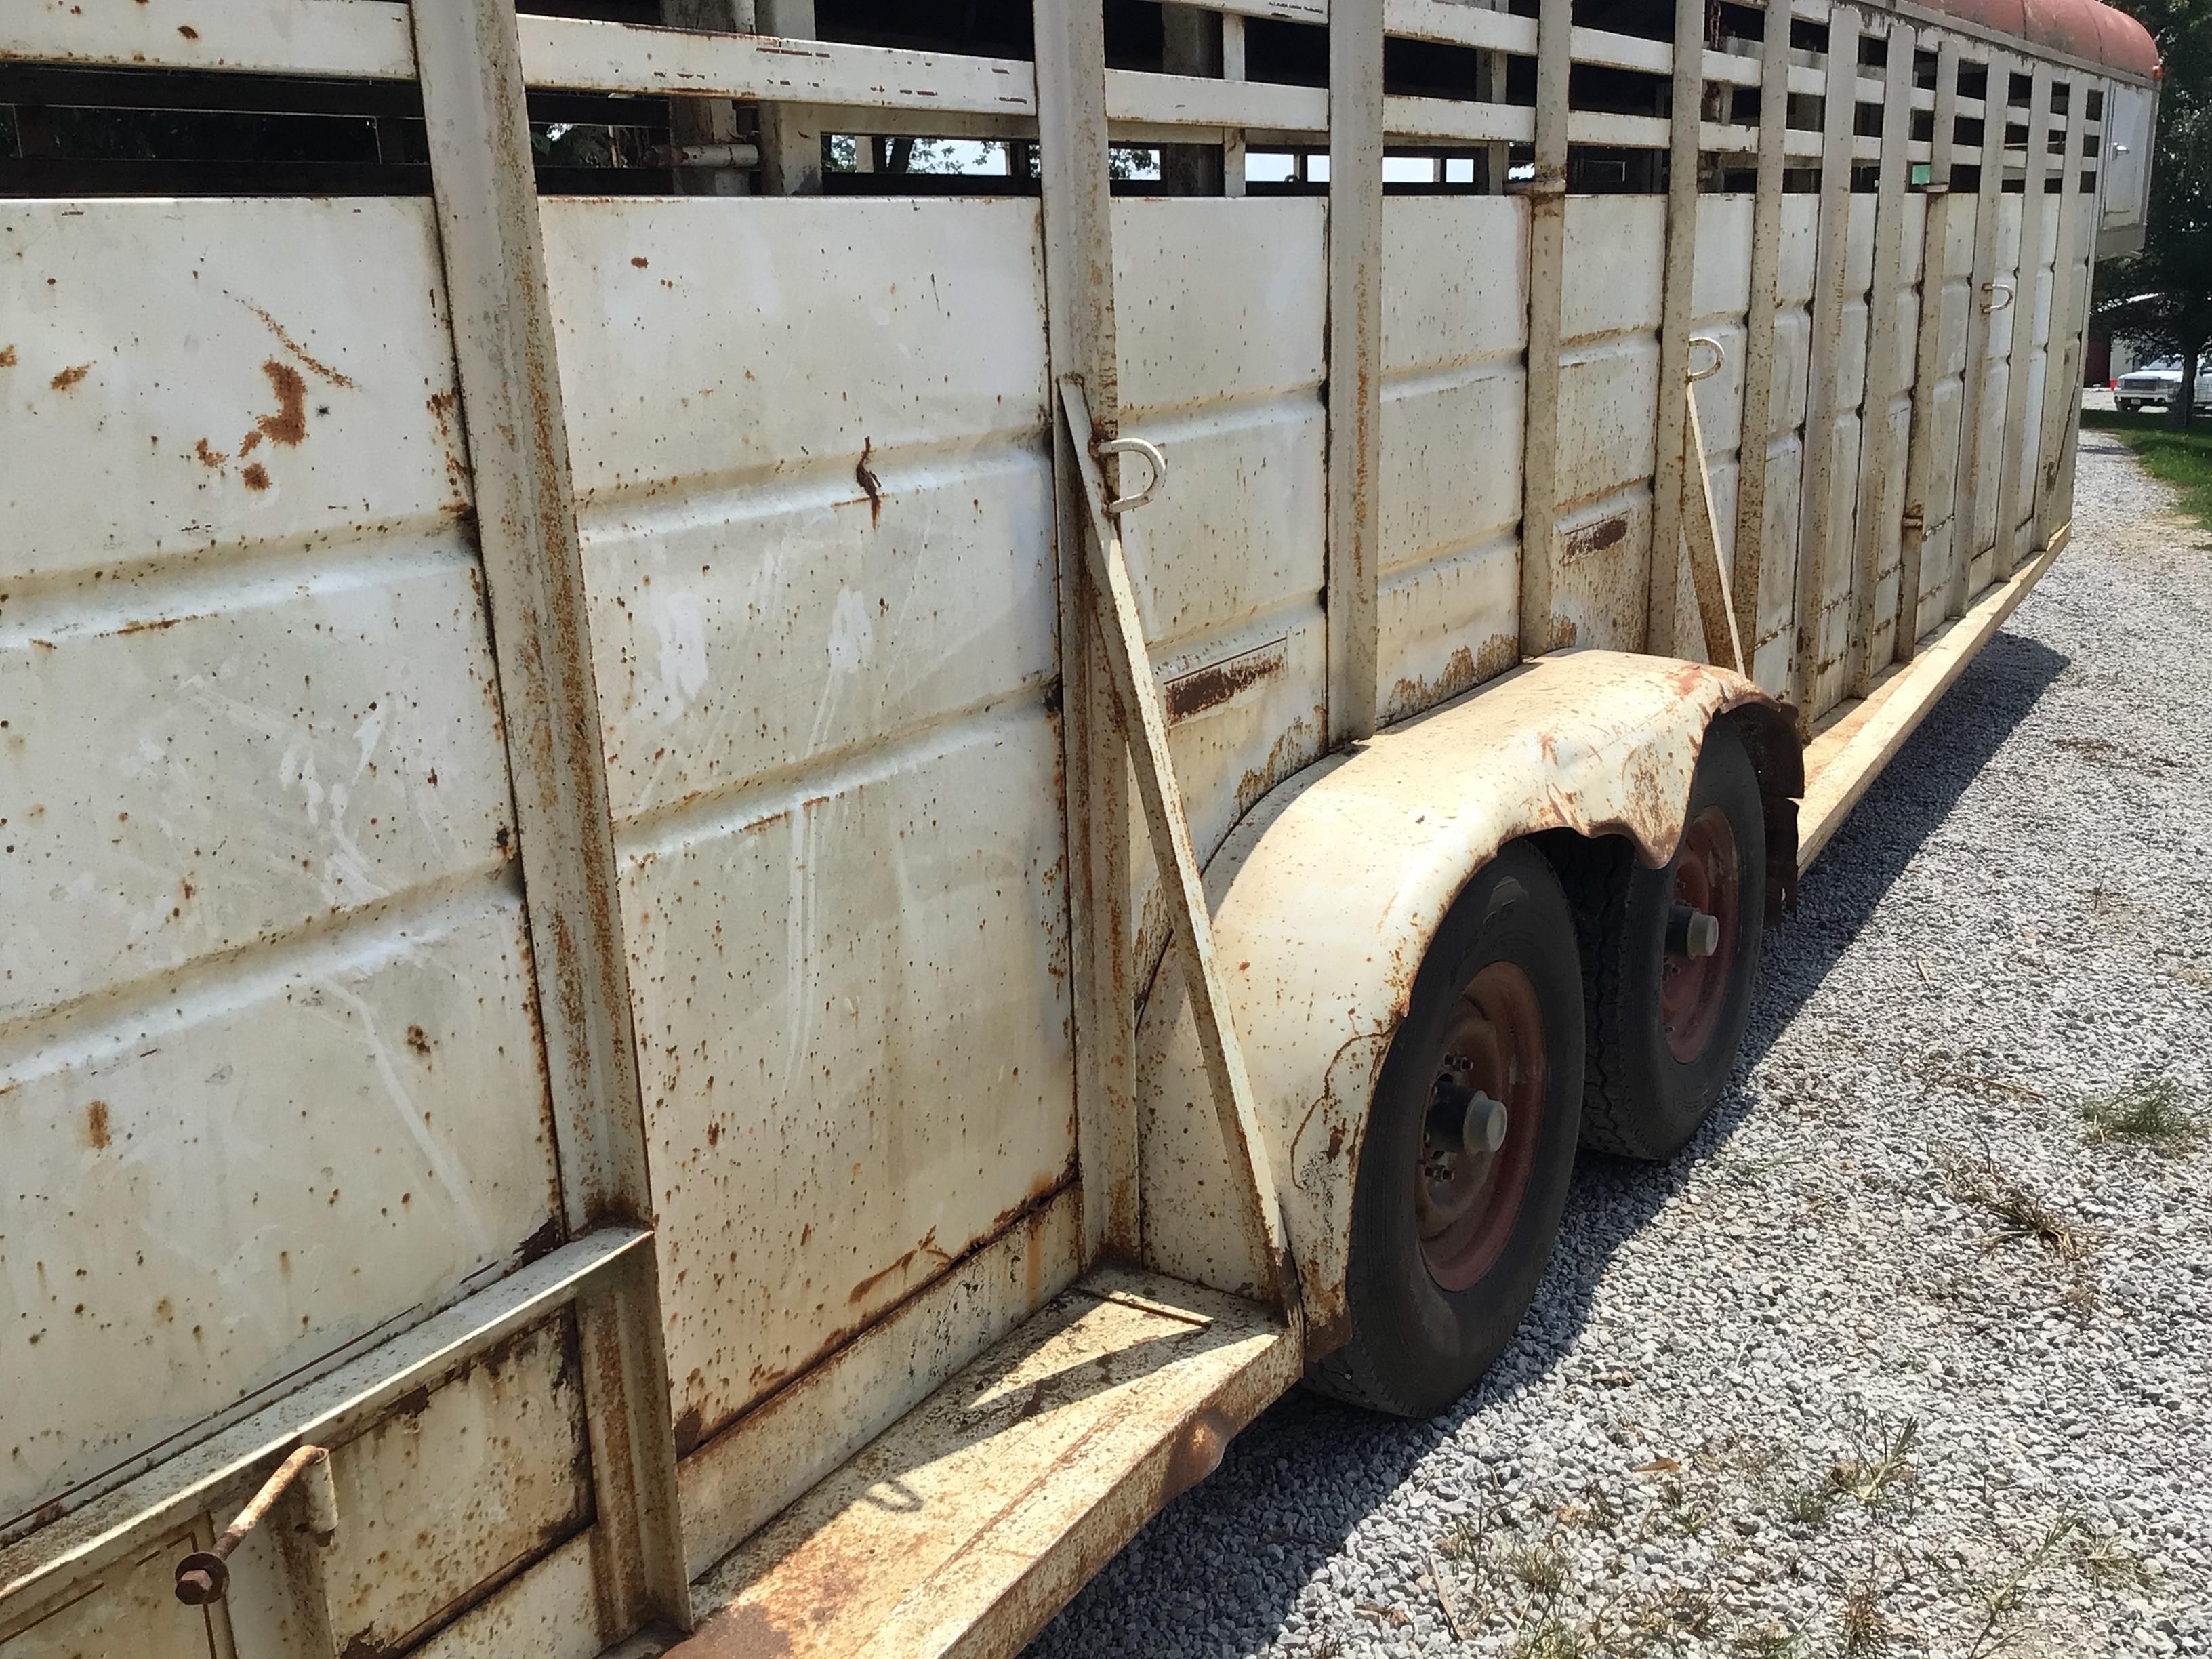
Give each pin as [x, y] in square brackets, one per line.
[1685, 1451]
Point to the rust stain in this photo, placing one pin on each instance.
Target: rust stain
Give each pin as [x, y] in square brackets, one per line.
[870, 482]
[153, 624]
[210, 455]
[1593, 538]
[7, 356]
[188, 31]
[70, 376]
[319, 368]
[288, 425]
[419, 1041]
[1210, 687]
[638, 260]
[97, 1129]
[255, 476]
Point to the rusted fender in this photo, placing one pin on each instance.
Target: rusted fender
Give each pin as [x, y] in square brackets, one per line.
[1325, 899]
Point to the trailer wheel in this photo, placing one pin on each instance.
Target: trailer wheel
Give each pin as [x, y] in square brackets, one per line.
[1670, 963]
[1470, 1141]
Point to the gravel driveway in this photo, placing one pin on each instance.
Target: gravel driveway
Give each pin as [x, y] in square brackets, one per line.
[1911, 1352]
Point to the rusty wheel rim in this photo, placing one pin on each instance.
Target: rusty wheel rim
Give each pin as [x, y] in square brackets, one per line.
[1465, 1203]
[1692, 989]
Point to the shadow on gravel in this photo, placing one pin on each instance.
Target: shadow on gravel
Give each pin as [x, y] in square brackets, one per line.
[1218, 1571]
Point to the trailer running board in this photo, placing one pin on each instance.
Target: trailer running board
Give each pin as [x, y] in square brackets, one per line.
[962, 1528]
[1855, 739]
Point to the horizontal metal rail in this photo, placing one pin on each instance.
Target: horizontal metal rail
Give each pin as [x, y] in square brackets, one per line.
[223, 1469]
[367, 39]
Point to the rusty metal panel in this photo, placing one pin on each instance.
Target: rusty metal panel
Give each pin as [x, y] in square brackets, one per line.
[458, 1489]
[267, 1050]
[130, 1609]
[1608, 391]
[809, 445]
[2001, 329]
[1454, 329]
[1227, 560]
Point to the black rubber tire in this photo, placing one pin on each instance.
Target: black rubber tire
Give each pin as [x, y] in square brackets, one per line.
[1639, 1099]
[1415, 1348]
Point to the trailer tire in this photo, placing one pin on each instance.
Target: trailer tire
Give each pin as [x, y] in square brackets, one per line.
[1448, 1245]
[1653, 1072]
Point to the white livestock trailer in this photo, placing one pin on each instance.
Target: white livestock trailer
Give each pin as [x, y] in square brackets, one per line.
[737, 891]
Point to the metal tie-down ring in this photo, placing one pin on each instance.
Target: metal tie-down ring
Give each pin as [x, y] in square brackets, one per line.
[1151, 452]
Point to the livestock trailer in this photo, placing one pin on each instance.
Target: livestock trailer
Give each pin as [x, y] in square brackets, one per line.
[742, 883]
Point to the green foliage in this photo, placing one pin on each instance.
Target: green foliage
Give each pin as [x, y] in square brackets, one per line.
[2165, 293]
[2181, 459]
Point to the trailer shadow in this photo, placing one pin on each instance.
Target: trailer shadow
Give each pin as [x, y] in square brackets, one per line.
[1220, 1570]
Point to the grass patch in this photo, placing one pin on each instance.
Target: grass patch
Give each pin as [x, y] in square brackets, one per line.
[2018, 1212]
[2147, 1112]
[2183, 459]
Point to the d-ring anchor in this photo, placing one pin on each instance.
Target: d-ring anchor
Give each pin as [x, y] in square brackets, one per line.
[1158, 463]
[1720, 356]
[1995, 297]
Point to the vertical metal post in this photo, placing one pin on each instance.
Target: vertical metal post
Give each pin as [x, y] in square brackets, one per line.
[1832, 268]
[1547, 250]
[1355, 362]
[1233, 69]
[1676, 305]
[1191, 44]
[1079, 258]
[2069, 283]
[1884, 377]
[791, 134]
[708, 121]
[525, 518]
[1966, 532]
[2059, 510]
[2028, 277]
[1756, 430]
[1927, 366]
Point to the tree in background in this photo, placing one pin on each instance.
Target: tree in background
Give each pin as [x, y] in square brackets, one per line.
[2164, 294]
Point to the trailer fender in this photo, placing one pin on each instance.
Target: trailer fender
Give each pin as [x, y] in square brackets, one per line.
[1325, 899]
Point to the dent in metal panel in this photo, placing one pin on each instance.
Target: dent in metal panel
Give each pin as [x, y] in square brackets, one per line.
[1451, 460]
[732, 339]
[1607, 389]
[1449, 624]
[851, 1020]
[458, 1489]
[280, 747]
[247, 1172]
[1601, 552]
[200, 390]
[1245, 713]
[745, 633]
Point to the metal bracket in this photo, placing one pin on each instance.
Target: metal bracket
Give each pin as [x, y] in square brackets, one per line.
[1144, 719]
[1992, 303]
[1720, 357]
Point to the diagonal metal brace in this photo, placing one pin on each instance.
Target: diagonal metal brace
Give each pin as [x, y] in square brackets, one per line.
[1144, 720]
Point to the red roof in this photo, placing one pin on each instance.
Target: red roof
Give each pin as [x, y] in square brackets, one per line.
[2079, 29]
